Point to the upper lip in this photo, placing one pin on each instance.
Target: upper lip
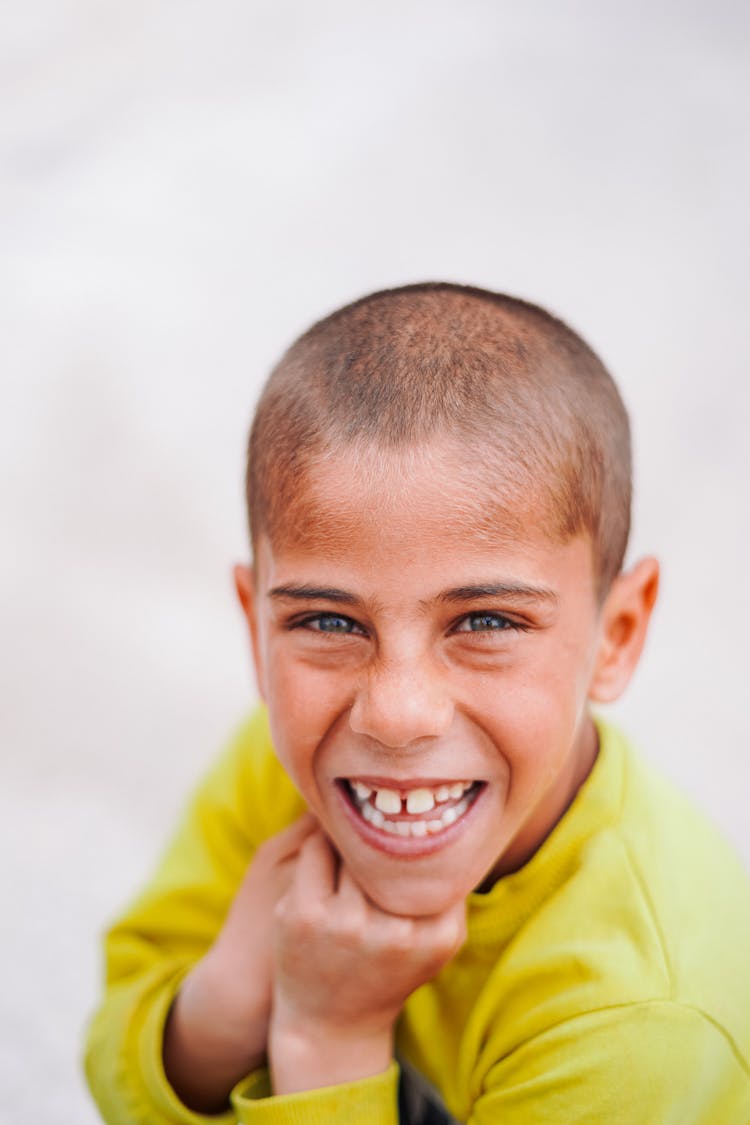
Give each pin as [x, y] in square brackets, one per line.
[375, 782]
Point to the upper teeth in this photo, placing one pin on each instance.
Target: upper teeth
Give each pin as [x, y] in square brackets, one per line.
[388, 801]
[417, 800]
[414, 827]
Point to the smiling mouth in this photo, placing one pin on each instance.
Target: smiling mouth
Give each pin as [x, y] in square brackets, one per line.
[414, 812]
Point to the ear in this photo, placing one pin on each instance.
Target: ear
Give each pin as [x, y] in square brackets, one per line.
[624, 623]
[244, 584]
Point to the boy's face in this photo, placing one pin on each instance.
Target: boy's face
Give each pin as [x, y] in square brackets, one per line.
[412, 660]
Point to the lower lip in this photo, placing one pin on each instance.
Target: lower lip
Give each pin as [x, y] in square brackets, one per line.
[408, 847]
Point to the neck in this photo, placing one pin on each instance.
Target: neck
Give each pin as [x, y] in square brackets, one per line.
[552, 808]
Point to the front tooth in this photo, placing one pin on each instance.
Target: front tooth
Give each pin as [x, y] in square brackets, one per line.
[402, 827]
[457, 789]
[362, 791]
[388, 801]
[419, 801]
[419, 828]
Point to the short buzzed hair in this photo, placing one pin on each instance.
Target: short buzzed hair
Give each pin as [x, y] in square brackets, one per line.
[525, 396]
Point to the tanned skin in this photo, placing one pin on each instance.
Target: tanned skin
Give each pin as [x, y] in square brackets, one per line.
[414, 649]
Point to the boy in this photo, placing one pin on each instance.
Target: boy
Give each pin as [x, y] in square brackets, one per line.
[425, 844]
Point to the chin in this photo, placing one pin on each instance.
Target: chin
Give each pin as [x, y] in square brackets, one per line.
[413, 898]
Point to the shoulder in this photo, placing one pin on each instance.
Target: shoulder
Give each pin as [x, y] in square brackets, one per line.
[696, 890]
[637, 901]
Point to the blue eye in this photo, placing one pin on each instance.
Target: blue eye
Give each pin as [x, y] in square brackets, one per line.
[332, 623]
[480, 622]
[485, 623]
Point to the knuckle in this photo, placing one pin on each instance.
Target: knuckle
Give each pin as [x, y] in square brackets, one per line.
[342, 925]
[293, 912]
[354, 929]
[438, 942]
[347, 936]
[401, 937]
[281, 910]
[307, 920]
[450, 944]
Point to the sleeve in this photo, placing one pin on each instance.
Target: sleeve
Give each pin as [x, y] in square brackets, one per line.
[171, 925]
[374, 1100]
[649, 1062]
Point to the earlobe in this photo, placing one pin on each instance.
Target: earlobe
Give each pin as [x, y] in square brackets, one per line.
[244, 584]
[625, 618]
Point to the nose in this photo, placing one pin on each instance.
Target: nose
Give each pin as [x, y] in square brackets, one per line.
[398, 706]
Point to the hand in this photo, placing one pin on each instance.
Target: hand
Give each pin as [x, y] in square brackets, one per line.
[217, 1030]
[344, 969]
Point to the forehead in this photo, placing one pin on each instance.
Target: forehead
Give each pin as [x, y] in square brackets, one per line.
[420, 505]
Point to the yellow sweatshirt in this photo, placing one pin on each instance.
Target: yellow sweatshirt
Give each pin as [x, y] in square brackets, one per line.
[607, 981]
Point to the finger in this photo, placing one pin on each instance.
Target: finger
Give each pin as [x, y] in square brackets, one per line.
[348, 891]
[315, 872]
[288, 842]
[447, 929]
[299, 830]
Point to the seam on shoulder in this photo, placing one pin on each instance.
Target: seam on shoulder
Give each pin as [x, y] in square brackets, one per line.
[653, 915]
[633, 1006]
[743, 1062]
[643, 887]
[680, 1006]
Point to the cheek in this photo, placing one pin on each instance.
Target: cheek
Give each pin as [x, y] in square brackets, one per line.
[558, 680]
[305, 699]
[296, 752]
[545, 688]
[540, 720]
[305, 685]
[303, 706]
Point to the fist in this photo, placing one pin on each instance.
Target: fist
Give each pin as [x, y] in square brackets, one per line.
[343, 970]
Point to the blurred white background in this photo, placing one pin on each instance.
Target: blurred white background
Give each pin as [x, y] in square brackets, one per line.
[185, 187]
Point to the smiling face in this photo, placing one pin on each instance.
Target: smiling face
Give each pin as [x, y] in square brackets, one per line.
[426, 660]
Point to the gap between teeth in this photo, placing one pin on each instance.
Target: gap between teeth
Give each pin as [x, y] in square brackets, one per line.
[413, 827]
[417, 800]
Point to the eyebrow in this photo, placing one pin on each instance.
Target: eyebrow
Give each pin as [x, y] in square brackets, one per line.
[509, 591]
[314, 593]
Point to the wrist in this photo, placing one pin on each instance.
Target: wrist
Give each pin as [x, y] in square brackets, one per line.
[306, 1055]
[224, 1011]
[207, 1048]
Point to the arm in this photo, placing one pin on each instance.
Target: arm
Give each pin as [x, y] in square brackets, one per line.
[653, 1061]
[174, 924]
[217, 1028]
